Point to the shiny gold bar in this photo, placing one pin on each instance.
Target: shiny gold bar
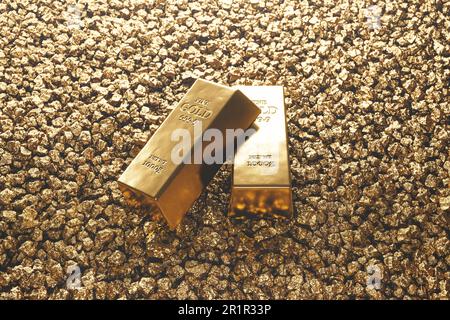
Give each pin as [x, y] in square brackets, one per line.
[153, 179]
[261, 176]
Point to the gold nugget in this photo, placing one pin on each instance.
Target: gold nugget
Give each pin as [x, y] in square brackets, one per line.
[261, 176]
[154, 179]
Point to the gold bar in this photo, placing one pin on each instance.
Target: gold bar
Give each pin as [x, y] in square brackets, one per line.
[153, 179]
[261, 176]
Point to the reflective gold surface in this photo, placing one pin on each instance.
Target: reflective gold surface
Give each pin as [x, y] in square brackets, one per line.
[261, 176]
[154, 179]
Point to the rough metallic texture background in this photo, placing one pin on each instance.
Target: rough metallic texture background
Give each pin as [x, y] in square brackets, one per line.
[82, 88]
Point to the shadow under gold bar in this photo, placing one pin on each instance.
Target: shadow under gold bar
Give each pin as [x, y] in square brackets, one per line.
[153, 179]
[261, 175]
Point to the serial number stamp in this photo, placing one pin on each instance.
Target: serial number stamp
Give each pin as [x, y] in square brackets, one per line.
[196, 111]
[260, 160]
[267, 111]
[155, 163]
